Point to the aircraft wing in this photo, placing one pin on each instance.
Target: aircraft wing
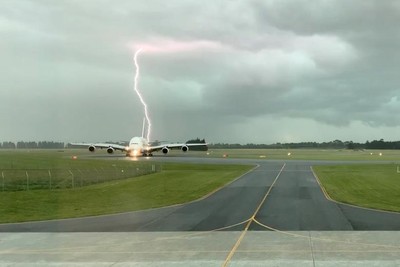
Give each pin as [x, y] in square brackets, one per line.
[182, 146]
[101, 145]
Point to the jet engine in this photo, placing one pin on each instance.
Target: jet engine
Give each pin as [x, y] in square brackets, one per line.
[165, 150]
[92, 148]
[185, 148]
[110, 150]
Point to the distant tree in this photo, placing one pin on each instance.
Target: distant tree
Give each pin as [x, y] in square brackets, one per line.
[21, 144]
[196, 141]
[9, 145]
[155, 143]
[50, 145]
[31, 145]
[350, 145]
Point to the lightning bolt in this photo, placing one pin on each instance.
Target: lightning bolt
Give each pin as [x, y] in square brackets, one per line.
[146, 113]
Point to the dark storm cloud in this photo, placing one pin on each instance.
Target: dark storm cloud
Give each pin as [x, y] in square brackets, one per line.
[207, 69]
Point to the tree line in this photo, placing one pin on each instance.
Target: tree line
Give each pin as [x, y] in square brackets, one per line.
[31, 145]
[336, 144]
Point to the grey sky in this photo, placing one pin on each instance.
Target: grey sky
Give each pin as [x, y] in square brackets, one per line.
[228, 71]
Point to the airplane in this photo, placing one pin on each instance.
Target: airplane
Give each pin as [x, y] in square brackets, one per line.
[139, 146]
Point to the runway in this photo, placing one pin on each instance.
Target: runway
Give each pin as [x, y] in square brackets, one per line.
[276, 195]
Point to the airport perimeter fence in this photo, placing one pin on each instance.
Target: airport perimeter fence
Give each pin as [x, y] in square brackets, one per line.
[39, 179]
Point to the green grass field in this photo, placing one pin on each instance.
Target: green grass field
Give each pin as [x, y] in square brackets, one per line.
[306, 154]
[52, 169]
[371, 185]
[176, 183]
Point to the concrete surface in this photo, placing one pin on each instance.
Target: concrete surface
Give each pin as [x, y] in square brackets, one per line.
[268, 248]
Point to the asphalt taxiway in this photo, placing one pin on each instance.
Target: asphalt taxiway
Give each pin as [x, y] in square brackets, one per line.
[275, 195]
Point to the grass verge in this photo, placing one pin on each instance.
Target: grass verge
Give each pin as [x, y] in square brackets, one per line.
[307, 154]
[177, 183]
[374, 186]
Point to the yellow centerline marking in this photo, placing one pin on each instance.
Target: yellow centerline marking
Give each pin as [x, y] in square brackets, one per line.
[266, 195]
[326, 239]
[234, 248]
